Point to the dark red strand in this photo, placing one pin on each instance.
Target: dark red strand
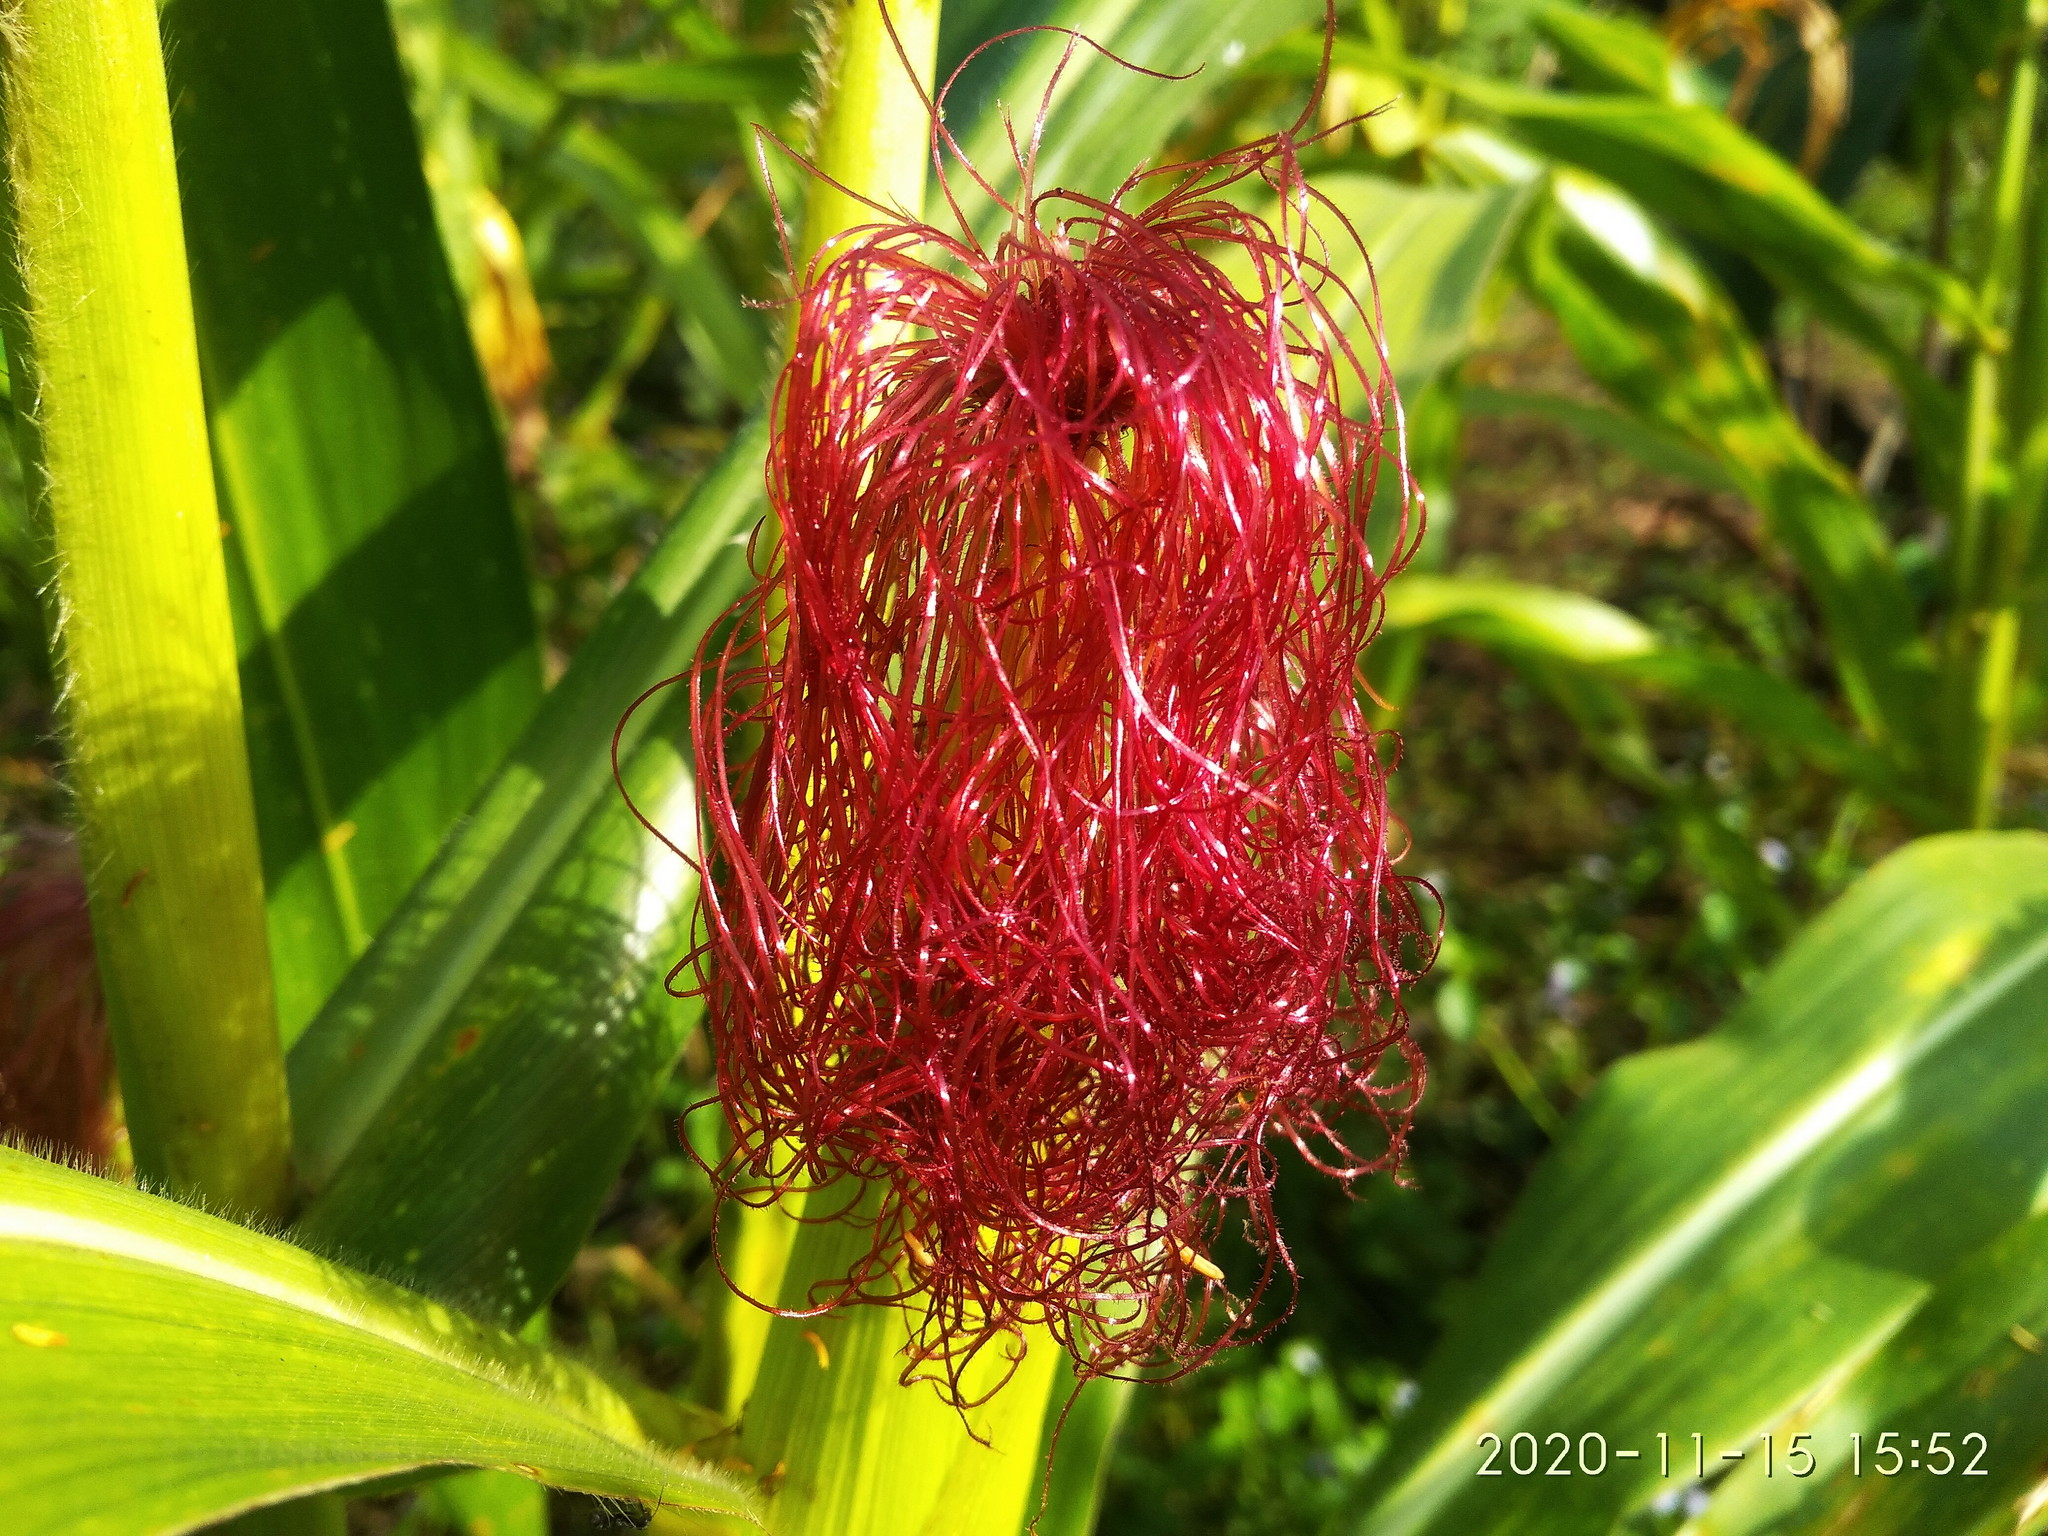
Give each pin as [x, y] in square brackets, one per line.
[1048, 838]
[56, 1063]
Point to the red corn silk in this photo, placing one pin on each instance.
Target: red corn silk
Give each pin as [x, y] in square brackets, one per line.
[56, 1064]
[1049, 847]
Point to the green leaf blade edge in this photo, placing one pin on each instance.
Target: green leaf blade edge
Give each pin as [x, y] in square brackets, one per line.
[184, 1369]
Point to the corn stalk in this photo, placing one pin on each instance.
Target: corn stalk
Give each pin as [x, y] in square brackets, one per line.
[113, 435]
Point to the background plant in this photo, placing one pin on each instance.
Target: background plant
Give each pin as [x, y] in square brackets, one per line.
[1718, 335]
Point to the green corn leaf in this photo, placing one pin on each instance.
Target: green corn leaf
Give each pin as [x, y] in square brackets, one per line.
[392, 1005]
[483, 1171]
[1691, 165]
[1519, 614]
[1106, 119]
[487, 1504]
[1525, 621]
[1957, 44]
[111, 437]
[1731, 1224]
[1434, 251]
[388, 647]
[1970, 1362]
[1080, 1432]
[1707, 174]
[771, 81]
[1665, 343]
[182, 1369]
[1774, 710]
[1647, 441]
[726, 341]
[1614, 53]
[1565, 629]
[444, 1100]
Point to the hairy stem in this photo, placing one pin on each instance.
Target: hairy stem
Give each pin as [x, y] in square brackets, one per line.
[874, 137]
[113, 432]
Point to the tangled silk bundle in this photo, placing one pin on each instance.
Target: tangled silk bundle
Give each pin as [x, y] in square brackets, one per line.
[1050, 871]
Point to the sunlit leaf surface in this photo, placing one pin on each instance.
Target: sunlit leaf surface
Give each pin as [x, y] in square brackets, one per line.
[181, 1368]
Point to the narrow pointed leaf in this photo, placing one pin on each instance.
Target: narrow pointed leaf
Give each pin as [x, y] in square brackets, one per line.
[182, 1368]
[1730, 1224]
[1657, 333]
[1648, 442]
[1707, 174]
[772, 81]
[1691, 165]
[393, 1003]
[1526, 621]
[1616, 53]
[483, 1171]
[1956, 46]
[1564, 624]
